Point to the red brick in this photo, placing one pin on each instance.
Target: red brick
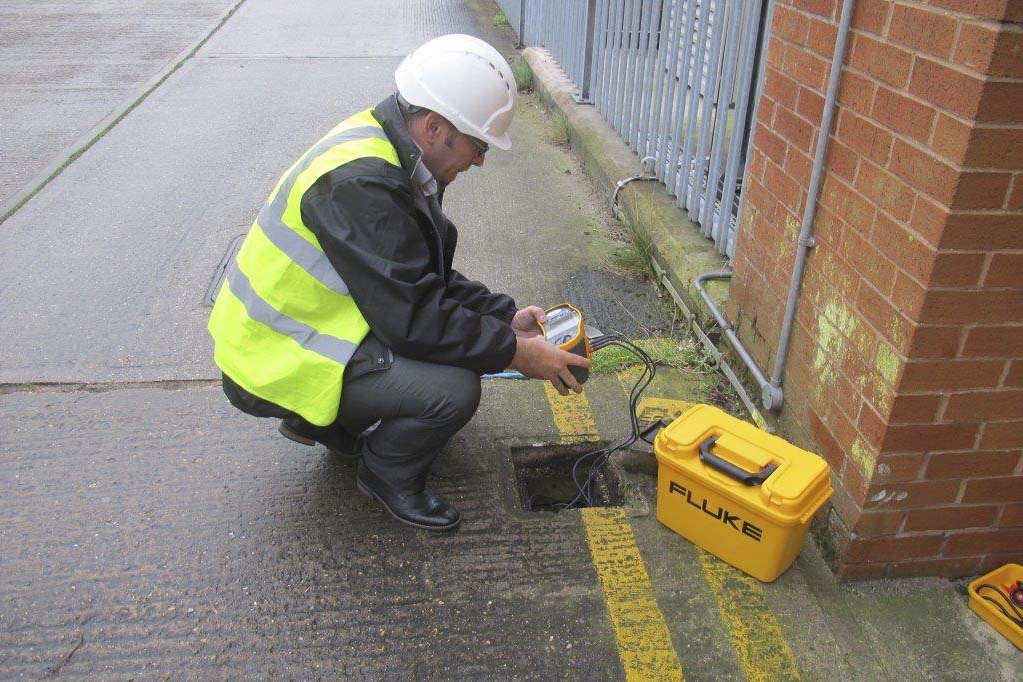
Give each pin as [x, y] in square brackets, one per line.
[983, 9]
[810, 106]
[1001, 489]
[871, 425]
[892, 469]
[892, 194]
[935, 342]
[950, 306]
[947, 88]
[876, 523]
[772, 146]
[957, 269]
[871, 15]
[805, 67]
[971, 464]
[922, 438]
[987, 231]
[842, 160]
[882, 60]
[844, 201]
[822, 38]
[947, 568]
[868, 261]
[922, 170]
[853, 479]
[784, 188]
[946, 518]
[1001, 101]
[923, 30]
[855, 92]
[990, 562]
[1015, 201]
[776, 52]
[914, 494]
[798, 166]
[780, 88]
[1002, 435]
[882, 315]
[1006, 270]
[929, 219]
[914, 409]
[951, 138]
[1012, 516]
[824, 8]
[987, 405]
[1014, 379]
[981, 190]
[904, 247]
[977, 542]
[903, 114]
[951, 374]
[909, 296]
[827, 446]
[995, 148]
[790, 24]
[865, 137]
[1007, 60]
[876, 550]
[994, 342]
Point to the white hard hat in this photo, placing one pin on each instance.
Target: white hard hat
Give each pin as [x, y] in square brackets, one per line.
[466, 81]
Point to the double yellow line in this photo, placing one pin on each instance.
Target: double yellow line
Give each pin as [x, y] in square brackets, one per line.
[641, 632]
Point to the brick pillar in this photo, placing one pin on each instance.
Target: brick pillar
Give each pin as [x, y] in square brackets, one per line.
[906, 369]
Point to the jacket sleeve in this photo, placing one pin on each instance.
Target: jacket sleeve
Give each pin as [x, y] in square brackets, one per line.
[367, 227]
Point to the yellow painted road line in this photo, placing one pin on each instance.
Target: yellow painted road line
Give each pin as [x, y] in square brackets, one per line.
[644, 641]
[642, 635]
[572, 416]
[764, 654]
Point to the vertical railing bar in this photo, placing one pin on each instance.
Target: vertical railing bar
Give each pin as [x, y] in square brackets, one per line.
[657, 92]
[644, 82]
[730, 53]
[743, 97]
[629, 110]
[760, 59]
[694, 68]
[670, 73]
[616, 59]
[622, 117]
[682, 143]
[599, 55]
[694, 199]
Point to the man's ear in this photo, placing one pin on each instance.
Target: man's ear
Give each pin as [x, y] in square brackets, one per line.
[433, 127]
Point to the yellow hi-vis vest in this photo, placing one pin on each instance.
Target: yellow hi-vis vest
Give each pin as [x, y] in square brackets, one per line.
[284, 325]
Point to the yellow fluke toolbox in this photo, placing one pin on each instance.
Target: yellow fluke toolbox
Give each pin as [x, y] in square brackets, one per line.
[740, 493]
[997, 597]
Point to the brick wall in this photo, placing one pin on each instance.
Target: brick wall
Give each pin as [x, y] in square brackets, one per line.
[906, 368]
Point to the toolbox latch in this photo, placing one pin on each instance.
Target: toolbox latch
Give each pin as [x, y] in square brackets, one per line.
[749, 478]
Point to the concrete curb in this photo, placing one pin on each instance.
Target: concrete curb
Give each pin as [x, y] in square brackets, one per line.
[64, 159]
[680, 252]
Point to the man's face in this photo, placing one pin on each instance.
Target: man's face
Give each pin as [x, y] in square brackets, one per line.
[447, 152]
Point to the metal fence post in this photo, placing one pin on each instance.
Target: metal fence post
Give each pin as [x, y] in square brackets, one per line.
[583, 96]
[522, 23]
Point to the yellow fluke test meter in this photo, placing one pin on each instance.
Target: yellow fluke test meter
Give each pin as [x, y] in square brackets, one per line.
[566, 329]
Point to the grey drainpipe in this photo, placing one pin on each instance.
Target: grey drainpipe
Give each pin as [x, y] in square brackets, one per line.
[772, 394]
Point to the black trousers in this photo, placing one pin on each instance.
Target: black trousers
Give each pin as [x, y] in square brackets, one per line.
[416, 407]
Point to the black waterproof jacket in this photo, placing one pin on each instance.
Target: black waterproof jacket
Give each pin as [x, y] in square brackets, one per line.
[393, 248]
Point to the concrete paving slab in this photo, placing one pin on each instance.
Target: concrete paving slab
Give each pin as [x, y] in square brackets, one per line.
[67, 66]
[157, 532]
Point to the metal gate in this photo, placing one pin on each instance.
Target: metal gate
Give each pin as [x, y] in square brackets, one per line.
[676, 78]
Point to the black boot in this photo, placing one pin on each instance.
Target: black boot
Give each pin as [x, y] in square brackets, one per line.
[334, 437]
[423, 509]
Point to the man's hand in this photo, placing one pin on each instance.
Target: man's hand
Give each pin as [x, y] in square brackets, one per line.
[526, 323]
[538, 359]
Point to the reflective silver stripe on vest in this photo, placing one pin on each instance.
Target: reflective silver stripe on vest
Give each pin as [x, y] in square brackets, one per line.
[271, 218]
[328, 346]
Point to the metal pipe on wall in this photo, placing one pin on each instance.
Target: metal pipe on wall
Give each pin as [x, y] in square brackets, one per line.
[774, 396]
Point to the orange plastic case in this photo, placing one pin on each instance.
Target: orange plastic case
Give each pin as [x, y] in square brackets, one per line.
[740, 493]
[1000, 578]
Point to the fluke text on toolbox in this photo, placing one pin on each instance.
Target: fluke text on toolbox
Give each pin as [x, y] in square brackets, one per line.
[722, 514]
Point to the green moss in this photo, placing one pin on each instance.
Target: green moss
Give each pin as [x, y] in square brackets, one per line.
[834, 327]
[680, 354]
[887, 363]
[865, 457]
[500, 19]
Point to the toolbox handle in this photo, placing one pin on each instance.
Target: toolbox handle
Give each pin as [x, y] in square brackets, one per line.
[745, 477]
